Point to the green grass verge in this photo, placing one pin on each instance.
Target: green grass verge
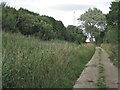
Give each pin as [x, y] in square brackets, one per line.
[31, 63]
[112, 50]
[101, 79]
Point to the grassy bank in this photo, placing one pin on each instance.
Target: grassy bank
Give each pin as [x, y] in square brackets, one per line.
[30, 62]
[112, 50]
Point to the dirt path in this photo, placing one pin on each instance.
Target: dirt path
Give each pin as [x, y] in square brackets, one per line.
[91, 74]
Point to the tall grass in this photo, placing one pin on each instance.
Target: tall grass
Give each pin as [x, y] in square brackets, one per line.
[0, 59]
[31, 63]
[112, 50]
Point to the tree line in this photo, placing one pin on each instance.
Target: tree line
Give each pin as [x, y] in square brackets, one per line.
[44, 27]
[103, 27]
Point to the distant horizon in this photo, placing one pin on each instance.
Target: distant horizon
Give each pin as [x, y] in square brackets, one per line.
[55, 8]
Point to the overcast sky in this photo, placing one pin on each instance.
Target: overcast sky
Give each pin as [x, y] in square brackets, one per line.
[61, 9]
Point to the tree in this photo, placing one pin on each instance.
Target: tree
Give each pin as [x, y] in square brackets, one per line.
[44, 27]
[9, 20]
[93, 21]
[25, 11]
[113, 22]
[28, 24]
[76, 34]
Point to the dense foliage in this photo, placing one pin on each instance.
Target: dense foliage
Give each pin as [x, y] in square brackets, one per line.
[113, 22]
[30, 23]
[76, 34]
[28, 62]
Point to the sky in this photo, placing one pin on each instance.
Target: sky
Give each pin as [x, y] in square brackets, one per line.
[68, 11]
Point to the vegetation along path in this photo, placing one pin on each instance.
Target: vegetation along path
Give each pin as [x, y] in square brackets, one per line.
[99, 72]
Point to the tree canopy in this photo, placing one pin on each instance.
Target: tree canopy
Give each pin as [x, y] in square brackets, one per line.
[93, 21]
[44, 27]
[113, 22]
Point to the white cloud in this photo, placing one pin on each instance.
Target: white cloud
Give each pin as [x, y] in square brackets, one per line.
[61, 9]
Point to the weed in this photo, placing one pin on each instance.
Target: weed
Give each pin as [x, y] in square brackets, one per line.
[112, 50]
[32, 63]
[101, 79]
[90, 81]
